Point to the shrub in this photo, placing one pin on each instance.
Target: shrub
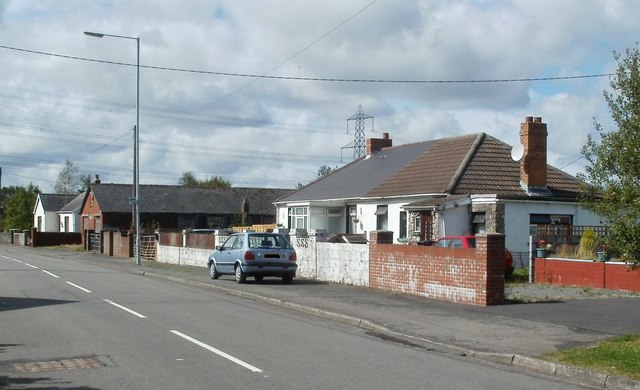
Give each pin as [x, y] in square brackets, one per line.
[588, 243]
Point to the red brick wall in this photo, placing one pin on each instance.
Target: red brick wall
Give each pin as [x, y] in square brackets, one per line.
[457, 275]
[616, 276]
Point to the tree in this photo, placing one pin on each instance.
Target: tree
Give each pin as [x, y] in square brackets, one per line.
[69, 180]
[325, 170]
[188, 179]
[613, 168]
[18, 209]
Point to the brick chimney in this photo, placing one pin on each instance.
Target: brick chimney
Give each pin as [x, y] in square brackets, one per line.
[377, 144]
[533, 166]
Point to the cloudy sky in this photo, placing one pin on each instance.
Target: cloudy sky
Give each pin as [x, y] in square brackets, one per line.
[259, 92]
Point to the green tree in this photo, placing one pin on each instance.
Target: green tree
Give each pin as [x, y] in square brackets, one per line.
[189, 179]
[613, 167]
[69, 180]
[18, 212]
[325, 170]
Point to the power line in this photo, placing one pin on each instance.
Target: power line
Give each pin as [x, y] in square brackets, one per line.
[321, 79]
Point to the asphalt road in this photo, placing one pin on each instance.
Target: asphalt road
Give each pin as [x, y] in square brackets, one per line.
[69, 324]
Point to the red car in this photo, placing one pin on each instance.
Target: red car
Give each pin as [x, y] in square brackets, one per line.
[470, 242]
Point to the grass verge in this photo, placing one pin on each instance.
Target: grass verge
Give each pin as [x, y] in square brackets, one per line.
[619, 356]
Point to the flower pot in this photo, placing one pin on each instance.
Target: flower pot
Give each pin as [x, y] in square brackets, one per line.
[542, 253]
[602, 256]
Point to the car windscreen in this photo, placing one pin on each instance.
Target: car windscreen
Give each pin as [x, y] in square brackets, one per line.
[268, 241]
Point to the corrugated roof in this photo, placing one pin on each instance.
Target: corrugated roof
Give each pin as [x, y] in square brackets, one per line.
[114, 198]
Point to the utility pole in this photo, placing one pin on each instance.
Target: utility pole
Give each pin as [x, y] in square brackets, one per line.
[359, 142]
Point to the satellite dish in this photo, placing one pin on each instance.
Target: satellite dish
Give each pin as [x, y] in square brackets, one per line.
[517, 152]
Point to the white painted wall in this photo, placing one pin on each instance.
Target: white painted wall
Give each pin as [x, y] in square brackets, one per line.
[74, 222]
[50, 222]
[182, 256]
[332, 262]
[454, 221]
[517, 219]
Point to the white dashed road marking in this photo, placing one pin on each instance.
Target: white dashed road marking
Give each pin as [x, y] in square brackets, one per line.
[49, 273]
[135, 313]
[79, 287]
[217, 351]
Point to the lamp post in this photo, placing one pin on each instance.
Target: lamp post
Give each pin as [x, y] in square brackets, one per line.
[136, 140]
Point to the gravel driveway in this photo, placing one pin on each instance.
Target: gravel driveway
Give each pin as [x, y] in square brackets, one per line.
[533, 292]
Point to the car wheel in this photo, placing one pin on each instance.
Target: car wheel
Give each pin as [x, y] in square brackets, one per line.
[259, 278]
[240, 276]
[286, 279]
[213, 271]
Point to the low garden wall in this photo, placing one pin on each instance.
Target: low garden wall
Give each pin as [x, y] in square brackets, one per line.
[54, 238]
[332, 262]
[451, 274]
[587, 273]
[457, 275]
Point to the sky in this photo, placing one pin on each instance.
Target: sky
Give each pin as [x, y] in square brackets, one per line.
[259, 92]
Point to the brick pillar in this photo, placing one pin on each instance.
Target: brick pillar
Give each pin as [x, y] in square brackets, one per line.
[34, 237]
[490, 255]
[381, 237]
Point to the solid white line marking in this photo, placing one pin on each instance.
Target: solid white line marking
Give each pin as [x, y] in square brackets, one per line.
[135, 313]
[30, 265]
[79, 287]
[17, 261]
[217, 351]
[49, 273]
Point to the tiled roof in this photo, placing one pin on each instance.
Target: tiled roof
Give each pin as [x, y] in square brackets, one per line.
[74, 205]
[470, 164]
[492, 171]
[55, 202]
[114, 198]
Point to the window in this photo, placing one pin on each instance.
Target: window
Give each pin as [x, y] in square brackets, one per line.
[298, 217]
[382, 218]
[478, 224]
[547, 219]
[403, 224]
[228, 244]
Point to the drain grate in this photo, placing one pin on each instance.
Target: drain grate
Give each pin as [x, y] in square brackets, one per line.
[58, 364]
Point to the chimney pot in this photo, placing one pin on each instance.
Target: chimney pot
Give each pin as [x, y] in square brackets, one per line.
[376, 144]
[537, 119]
[529, 119]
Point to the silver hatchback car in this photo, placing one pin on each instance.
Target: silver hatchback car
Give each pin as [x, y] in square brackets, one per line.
[254, 254]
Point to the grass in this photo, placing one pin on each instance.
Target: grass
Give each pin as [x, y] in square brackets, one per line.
[74, 248]
[619, 356]
[520, 275]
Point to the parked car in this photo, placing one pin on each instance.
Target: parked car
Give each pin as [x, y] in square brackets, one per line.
[470, 242]
[254, 254]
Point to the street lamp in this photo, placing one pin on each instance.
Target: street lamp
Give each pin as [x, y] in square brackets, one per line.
[136, 140]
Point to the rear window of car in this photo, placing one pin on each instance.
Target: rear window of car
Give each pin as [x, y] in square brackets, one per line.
[268, 241]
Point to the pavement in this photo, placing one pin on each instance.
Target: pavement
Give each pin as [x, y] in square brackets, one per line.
[514, 334]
